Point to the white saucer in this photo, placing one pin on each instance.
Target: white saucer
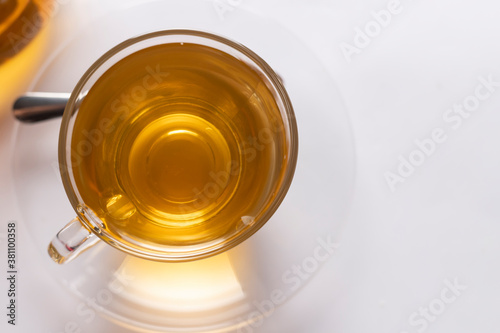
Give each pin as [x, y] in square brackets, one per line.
[229, 290]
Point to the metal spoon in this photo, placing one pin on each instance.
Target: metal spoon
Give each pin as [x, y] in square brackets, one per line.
[37, 106]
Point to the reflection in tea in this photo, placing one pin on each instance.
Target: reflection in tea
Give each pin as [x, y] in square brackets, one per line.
[178, 144]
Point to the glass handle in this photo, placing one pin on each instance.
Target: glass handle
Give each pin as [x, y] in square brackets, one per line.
[72, 240]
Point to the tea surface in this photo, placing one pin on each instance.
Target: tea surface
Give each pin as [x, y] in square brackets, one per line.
[178, 144]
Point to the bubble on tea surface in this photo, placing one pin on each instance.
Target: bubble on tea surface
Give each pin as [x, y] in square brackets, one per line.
[119, 207]
[247, 220]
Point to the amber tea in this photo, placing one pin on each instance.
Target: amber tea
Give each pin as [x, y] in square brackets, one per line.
[20, 22]
[178, 144]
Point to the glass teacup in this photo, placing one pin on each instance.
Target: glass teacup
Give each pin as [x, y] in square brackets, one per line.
[174, 146]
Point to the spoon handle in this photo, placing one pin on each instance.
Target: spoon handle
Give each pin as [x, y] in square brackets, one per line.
[37, 106]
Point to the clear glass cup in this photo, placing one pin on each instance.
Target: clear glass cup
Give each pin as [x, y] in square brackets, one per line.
[20, 22]
[87, 229]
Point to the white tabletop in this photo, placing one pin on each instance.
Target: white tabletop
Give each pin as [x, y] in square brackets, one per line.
[421, 83]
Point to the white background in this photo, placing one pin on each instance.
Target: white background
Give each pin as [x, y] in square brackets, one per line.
[399, 247]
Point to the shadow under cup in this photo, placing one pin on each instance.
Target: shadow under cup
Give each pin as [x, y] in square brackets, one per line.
[174, 146]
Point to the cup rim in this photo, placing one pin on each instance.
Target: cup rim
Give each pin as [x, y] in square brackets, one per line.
[97, 228]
